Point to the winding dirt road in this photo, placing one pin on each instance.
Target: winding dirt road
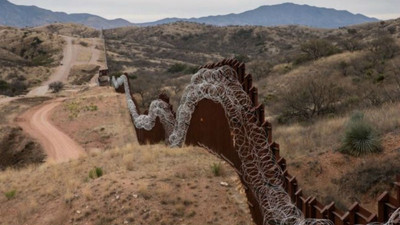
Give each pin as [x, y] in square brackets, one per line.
[36, 121]
[58, 146]
[61, 73]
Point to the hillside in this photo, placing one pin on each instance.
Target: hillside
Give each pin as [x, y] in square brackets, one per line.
[135, 188]
[312, 81]
[27, 57]
[282, 14]
[32, 16]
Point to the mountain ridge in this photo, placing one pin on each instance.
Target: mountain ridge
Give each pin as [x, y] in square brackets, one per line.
[267, 15]
[32, 16]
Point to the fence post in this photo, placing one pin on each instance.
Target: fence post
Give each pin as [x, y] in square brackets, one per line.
[268, 130]
[352, 213]
[381, 206]
[397, 184]
[292, 188]
[275, 150]
[311, 208]
[254, 96]
[329, 211]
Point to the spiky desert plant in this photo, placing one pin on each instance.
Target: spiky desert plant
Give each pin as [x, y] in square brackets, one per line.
[96, 172]
[360, 137]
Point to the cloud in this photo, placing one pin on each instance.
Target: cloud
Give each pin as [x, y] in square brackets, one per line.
[149, 10]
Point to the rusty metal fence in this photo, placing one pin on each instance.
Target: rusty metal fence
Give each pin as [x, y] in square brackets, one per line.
[210, 128]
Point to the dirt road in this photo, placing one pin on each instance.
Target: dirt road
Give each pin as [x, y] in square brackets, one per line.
[36, 121]
[61, 73]
[58, 146]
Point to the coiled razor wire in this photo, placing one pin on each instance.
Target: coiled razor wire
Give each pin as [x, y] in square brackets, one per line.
[260, 170]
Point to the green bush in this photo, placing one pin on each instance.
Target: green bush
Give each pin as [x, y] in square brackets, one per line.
[96, 173]
[42, 60]
[315, 49]
[3, 85]
[176, 68]
[56, 86]
[242, 58]
[182, 68]
[360, 137]
[84, 44]
[10, 194]
[216, 169]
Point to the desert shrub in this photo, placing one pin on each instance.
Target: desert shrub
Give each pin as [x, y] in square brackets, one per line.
[243, 34]
[42, 60]
[16, 87]
[3, 86]
[96, 173]
[360, 137]
[36, 42]
[351, 44]
[308, 99]
[132, 76]
[10, 194]
[343, 66]
[176, 68]
[216, 169]
[84, 44]
[260, 69]
[384, 47]
[91, 108]
[352, 31]
[182, 68]
[392, 30]
[56, 86]
[315, 49]
[242, 58]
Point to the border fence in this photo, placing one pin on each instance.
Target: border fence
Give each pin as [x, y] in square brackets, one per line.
[210, 127]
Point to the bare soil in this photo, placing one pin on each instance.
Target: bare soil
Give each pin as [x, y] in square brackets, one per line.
[57, 145]
[140, 185]
[97, 119]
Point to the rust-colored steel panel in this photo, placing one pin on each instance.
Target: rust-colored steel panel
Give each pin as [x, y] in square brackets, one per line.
[154, 136]
[209, 127]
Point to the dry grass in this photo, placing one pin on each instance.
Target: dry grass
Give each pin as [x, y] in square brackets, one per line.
[27, 56]
[150, 193]
[81, 74]
[311, 151]
[297, 140]
[96, 118]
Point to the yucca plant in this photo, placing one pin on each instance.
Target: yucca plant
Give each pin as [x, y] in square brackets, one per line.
[96, 173]
[216, 169]
[360, 137]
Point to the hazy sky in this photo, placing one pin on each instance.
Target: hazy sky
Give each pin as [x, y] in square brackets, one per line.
[150, 10]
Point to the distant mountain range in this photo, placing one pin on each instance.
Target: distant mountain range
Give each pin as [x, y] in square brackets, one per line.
[32, 16]
[282, 14]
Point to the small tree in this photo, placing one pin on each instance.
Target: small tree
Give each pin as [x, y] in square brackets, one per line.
[309, 98]
[260, 69]
[384, 47]
[318, 48]
[56, 86]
